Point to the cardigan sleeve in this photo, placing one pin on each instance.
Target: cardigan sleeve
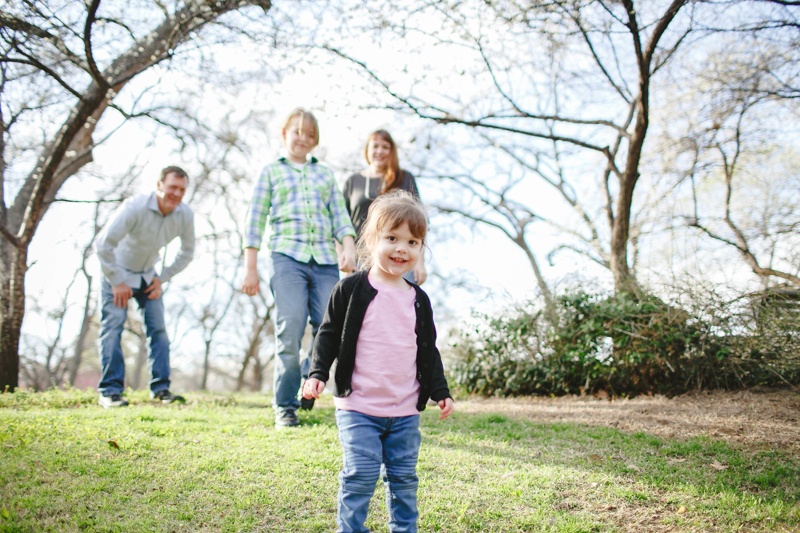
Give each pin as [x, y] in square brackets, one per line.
[438, 382]
[328, 339]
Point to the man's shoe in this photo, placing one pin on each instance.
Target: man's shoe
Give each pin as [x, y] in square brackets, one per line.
[287, 419]
[113, 400]
[165, 396]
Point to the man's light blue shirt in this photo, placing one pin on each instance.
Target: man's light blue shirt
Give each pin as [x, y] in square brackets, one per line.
[128, 247]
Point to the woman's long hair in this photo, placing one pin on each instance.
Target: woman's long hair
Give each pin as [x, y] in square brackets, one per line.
[391, 178]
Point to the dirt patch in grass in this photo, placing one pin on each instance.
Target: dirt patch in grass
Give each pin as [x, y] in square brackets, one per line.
[756, 420]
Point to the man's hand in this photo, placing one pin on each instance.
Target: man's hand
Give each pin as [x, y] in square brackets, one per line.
[122, 293]
[312, 388]
[154, 290]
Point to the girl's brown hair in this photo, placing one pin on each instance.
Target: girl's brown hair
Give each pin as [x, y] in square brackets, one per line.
[391, 178]
[387, 212]
[305, 116]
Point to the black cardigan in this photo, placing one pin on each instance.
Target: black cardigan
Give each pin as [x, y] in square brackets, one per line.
[337, 336]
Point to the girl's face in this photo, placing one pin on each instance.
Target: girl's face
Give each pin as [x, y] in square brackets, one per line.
[378, 152]
[299, 139]
[395, 253]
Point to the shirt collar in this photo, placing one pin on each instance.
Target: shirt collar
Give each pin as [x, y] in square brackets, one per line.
[152, 203]
[285, 159]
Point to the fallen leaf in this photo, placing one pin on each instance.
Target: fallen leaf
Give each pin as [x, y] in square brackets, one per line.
[595, 457]
[716, 465]
[113, 443]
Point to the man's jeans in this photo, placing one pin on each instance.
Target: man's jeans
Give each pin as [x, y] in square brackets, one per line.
[301, 292]
[112, 321]
[374, 446]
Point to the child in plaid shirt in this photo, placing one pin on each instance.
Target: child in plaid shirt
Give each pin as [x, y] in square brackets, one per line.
[305, 209]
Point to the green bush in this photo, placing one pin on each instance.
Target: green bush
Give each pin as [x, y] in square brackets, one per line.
[625, 345]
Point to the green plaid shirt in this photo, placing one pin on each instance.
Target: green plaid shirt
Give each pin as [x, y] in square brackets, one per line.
[305, 210]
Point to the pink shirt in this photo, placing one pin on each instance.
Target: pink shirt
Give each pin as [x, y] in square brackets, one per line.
[385, 374]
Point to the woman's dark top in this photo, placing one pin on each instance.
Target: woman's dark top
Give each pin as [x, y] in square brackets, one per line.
[358, 199]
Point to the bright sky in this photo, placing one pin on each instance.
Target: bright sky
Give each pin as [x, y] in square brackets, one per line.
[340, 102]
[487, 258]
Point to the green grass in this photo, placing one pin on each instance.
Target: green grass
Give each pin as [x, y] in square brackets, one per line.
[218, 464]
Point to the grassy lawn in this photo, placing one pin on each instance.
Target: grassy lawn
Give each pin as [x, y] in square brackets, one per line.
[218, 464]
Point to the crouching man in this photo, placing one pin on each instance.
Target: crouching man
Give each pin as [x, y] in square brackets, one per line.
[128, 248]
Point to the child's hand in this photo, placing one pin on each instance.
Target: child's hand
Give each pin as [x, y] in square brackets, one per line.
[250, 283]
[347, 255]
[312, 388]
[447, 406]
[347, 262]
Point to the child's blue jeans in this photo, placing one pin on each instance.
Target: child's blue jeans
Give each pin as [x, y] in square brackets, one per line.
[301, 292]
[372, 446]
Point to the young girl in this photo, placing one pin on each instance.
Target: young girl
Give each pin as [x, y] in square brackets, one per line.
[380, 329]
[300, 200]
[382, 175]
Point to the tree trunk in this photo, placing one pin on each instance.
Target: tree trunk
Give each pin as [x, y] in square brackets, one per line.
[12, 311]
[206, 365]
[80, 341]
[258, 374]
[251, 354]
[549, 302]
[624, 280]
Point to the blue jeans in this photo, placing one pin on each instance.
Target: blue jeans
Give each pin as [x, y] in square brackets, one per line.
[112, 321]
[374, 446]
[301, 292]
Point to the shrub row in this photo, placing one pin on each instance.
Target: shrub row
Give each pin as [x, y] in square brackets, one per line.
[627, 345]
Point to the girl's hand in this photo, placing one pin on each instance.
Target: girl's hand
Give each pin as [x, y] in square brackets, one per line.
[312, 388]
[447, 406]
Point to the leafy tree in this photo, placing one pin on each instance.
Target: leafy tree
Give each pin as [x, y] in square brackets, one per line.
[562, 94]
[62, 67]
[744, 172]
